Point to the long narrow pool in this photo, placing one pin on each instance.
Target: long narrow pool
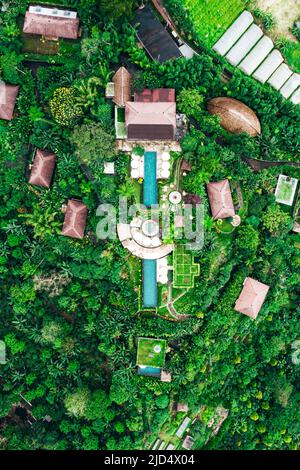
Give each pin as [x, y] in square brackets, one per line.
[149, 283]
[150, 183]
[149, 198]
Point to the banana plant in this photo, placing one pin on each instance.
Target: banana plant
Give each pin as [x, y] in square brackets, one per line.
[43, 221]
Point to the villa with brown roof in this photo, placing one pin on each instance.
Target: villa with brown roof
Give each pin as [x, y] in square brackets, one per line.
[164, 95]
[8, 96]
[51, 22]
[150, 121]
[185, 166]
[220, 199]
[42, 168]
[251, 298]
[75, 219]
[122, 86]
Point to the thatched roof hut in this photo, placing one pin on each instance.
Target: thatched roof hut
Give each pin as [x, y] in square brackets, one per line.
[122, 86]
[235, 116]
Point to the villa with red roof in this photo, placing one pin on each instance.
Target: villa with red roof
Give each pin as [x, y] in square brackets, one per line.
[51, 22]
[8, 96]
[150, 121]
[42, 168]
[251, 298]
[220, 199]
[75, 219]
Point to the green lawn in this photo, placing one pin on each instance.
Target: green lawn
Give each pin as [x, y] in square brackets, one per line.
[291, 52]
[185, 269]
[285, 190]
[151, 352]
[2, 352]
[212, 18]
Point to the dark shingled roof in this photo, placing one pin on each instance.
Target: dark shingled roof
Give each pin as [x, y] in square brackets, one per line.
[75, 219]
[51, 26]
[154, 37]
[150, 132]
[165, 95]
[42, 168]
[8, 96]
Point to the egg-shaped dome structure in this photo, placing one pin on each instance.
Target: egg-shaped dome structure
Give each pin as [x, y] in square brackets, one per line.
[236, 117]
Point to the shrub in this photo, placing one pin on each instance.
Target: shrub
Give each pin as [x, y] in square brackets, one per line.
[63, 107]
[266, 17]
[296, 29]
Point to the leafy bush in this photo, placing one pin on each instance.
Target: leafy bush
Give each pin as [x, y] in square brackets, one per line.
[266, 17]
[64, 108]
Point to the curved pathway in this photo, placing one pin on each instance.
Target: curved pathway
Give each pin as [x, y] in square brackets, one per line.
[258, 165]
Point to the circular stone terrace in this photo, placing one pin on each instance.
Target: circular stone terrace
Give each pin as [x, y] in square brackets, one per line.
[142, 238]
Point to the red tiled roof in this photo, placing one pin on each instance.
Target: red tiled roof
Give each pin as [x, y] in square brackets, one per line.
[220, 199]
[122, 81]
[51, 26]
[42, 168]
[75, 219]
[165, 95]
[150, 121]
[8, 96]
[251, 298]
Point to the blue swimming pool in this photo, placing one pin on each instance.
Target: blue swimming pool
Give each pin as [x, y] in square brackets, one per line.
[149, 283]
[148, 370]
[150, 183]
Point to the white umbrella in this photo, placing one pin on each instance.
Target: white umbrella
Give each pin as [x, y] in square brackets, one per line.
[165, 165]
[134, 173]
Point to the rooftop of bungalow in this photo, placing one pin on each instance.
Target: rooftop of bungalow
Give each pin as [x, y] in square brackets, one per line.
[220, 199]
[75, 219]
[251, 297]
[122, 86]
[51, 22]
[150, 121]
[154, 36]
[157, 95]
[42, 168]
[8, 96]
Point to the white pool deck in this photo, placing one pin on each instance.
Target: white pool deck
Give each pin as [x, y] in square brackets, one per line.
[163, 168]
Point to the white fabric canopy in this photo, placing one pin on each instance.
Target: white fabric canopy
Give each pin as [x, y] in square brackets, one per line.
[244, 44]
[257, 55]
[233, 33]
[269, 65]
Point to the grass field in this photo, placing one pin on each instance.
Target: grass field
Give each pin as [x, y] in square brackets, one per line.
[151, 352]
[291, 52]
[185, 269]
[285, 190]
[212, 18]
